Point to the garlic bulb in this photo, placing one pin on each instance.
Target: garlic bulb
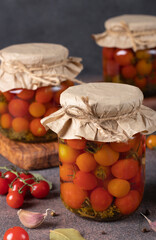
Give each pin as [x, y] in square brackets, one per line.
[32, 219]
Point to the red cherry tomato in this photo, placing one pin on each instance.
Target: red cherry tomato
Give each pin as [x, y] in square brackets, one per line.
[112, 68]
[124, 57]
[108, 52]
[28, 176]
[4, 186]
[10, 176]
[40, 189]
[128, 71]
[16, 233]
[15, 199]
[140, 82]
[18, 185]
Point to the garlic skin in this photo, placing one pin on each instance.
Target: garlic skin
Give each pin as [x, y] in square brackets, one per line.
[32, 219]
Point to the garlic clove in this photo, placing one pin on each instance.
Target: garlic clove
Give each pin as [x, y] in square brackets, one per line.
[32, 219]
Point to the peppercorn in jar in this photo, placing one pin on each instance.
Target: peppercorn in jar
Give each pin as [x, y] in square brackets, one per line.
[32, 77]
[129, 51]
[101, 129]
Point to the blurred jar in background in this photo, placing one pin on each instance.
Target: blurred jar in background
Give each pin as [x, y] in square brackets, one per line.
[129, 53]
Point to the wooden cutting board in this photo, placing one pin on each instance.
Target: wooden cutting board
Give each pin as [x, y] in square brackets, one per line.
[29, 156]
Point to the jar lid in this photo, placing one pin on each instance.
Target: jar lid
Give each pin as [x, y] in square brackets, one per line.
[33, 65]
[128, 31]
[101, 112]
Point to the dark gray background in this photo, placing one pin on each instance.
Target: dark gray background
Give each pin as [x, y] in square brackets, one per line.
[66, 22]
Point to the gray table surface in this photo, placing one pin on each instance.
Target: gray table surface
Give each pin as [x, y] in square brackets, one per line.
[127, 229]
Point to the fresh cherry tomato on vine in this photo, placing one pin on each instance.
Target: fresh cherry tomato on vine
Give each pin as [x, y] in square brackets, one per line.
[16, 233]
[151, 141]
[18, 185]
[28, 176]
[40, 189]
[4, 186]
[10, 176]
[15, 199]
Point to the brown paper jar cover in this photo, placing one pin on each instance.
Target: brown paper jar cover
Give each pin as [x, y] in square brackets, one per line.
[104, 112]
[128, 31]
[32, 76]
[33, 65]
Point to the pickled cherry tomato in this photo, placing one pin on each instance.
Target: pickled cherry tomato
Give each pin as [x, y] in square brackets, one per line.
[86, 181]
[6, 120]
[77, 143]
[3, 107]
[123, 56]
[106, 156]
[118, 187]
[108, 52]
[68, 171]
[57, 96]
[100, 199]
[44, 94]
[137, 182]
[128, 71]
[102, 172]
[20, 124]
[50, 111]
[18, 107]
[125, 168]
[112, 68]
[37, 109]
[143, 54]
[67, 83]
[67, 154]
[8, 95]
[37, 128]
[73, 195]
[140, 82]
[86, 162]
[125, 146]
[144, 67]
[121, 146]
[129, 203]
[26, 94]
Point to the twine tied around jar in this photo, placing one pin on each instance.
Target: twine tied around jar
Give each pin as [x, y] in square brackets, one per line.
[90, 116]
[38, 72]
[123, 29]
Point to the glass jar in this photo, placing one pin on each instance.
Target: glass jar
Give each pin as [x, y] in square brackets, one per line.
[102, 148]
[103, 181]
[130, 67]
[21, 111]
[32, 77]
[129, 51]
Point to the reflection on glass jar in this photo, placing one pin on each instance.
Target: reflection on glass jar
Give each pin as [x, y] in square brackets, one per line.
[22, 109]
[135, 68]
[100, 180]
